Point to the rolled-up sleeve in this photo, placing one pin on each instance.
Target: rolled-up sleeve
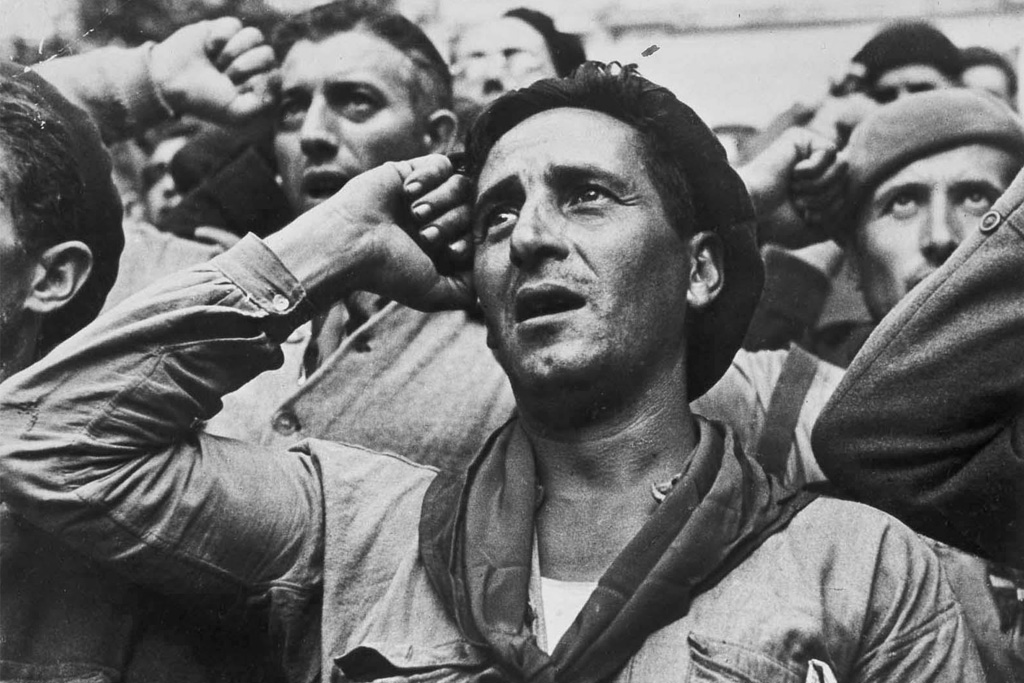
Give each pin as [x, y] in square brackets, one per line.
[98, 441]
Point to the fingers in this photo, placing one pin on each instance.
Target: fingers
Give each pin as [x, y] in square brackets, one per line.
[812, 178]
[423, 174]
[443, 218]
[256, 61]
[219, 33]
[237, 44]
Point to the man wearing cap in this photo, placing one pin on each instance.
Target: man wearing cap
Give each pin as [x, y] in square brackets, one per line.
[921, 173]
[603, 533]
[905, 58]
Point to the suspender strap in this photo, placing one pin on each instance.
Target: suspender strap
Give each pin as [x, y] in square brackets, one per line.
[784, 410]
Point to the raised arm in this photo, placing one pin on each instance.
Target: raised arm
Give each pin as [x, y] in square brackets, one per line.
[97, 441]
[927, 423]
[215, 70]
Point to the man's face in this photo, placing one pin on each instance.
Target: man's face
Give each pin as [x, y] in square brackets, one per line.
[161, 193]
[498, 56]
[348, 104]
[917, 217]
[988, 78]
[581, 276]
[905, 80]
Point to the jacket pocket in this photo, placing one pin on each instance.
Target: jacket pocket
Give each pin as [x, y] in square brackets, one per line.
[719, 661]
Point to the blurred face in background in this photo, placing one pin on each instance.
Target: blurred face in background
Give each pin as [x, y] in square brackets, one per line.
[349, 103]
[918, 216]
[497, 56]
[161, 194]
[990, 79]
[906, 80]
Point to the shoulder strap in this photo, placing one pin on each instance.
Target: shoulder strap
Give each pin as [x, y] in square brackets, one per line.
[787, 399]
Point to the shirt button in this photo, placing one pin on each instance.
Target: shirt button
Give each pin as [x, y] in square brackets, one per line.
[286, 423]
[281, 303]
[990, 221]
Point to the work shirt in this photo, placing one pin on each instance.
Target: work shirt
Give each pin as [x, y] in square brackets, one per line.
[98, 446]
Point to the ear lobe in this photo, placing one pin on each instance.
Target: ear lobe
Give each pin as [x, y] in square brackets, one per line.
[441, 128]
[60, 273]
[707, 275]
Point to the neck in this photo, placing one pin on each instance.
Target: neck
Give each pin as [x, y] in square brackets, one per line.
[19, 352]
[597, 477]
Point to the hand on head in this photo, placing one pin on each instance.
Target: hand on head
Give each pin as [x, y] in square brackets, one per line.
[400, 230]
[797, 182]
[216, 70]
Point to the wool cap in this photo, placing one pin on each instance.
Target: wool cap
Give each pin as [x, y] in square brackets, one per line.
[566, 50]
[718, 197]
[99, 226]
[921, 125]
[976, 55]
[905, 43]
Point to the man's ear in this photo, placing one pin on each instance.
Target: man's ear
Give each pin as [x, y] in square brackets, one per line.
[707, 275]
[442, 125]
[60, 273]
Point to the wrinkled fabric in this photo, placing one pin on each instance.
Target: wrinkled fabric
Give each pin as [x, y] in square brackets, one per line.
[721, 509]
[927, 424]
[320, 546]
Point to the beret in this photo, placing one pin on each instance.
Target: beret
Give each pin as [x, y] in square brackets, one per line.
[921, 125]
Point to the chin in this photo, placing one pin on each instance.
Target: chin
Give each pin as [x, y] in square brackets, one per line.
[555, 371]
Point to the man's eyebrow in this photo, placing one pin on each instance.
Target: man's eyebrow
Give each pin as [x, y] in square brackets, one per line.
[568, 174]
[885, 192]
[496, 191]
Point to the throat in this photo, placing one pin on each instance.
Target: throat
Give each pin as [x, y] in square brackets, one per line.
[579, 539]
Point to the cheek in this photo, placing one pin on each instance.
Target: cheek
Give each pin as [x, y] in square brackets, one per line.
[386, 138]
[487, 278]
[890, 248]
[290, 163]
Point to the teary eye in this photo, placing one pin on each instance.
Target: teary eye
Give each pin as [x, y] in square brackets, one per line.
[587, 194]
[494, 219]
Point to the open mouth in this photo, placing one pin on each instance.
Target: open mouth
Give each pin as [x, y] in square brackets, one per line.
[322, 184]
[537, 302]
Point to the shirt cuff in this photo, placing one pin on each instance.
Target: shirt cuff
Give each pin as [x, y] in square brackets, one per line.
[255, 269]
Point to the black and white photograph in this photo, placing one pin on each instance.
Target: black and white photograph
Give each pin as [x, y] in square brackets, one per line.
[511, 341]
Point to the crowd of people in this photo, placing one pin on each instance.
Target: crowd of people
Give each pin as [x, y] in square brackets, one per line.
[332, 354]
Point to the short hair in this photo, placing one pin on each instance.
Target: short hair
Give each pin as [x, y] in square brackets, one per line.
[42, 183]
[55, 173]
[982, 56]
[342, 16]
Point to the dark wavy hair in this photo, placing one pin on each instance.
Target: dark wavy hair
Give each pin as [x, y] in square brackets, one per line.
[324, 21]
[686, 162]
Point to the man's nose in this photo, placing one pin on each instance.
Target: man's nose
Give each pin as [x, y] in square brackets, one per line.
[940, 235]
[538, 235]
[318, 136]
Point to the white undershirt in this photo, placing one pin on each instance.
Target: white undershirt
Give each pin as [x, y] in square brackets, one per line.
[562, 602]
